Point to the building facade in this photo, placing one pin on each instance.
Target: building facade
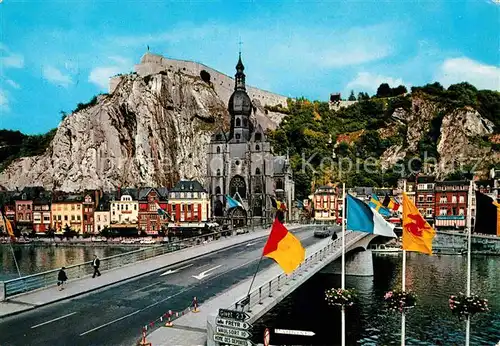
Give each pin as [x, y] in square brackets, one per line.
[88, 214]
[125, 211]
[149, 219]
[66, 210]
[425, 197]
[41, 214]
[241, 164]
[451, 204]
[24, 212]
[188, 205]
[325, 203]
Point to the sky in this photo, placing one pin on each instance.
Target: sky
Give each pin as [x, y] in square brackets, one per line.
[55, 54]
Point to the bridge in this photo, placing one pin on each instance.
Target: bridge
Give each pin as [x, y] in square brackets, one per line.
[271, 286]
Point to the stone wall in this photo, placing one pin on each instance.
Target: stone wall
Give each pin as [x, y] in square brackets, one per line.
[335, 106]
[223, 84]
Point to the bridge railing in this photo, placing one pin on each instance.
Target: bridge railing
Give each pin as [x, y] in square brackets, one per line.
[279, 282]
[49, 278]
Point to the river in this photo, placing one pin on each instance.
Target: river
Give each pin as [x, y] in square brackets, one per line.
[36, 258]
[432, 278]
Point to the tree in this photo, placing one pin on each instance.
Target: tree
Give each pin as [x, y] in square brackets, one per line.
[68, 232]
[352, 97]
[363, 96]
[105, 232]
[400, 90]
[384, 90]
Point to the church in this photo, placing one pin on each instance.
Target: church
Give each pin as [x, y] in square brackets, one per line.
[241, 165]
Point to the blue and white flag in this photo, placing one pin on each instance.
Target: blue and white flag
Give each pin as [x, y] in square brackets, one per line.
[360, 217]
[232, 203]
[378, 206]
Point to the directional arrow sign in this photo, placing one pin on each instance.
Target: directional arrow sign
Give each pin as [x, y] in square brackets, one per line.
[232, 323]
[294, 332]
[233, 314]
[237, 333]
[229, 340]
[202, 275]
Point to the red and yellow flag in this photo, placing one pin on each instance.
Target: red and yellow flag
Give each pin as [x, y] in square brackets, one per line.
[417, 233]
[7, 226]
[283, 247]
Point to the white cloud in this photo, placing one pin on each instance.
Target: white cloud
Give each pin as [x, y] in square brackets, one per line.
[55, 76]
[9, 59]
[100, 75]
[367, 81]
[13, 84]
[4, 101]
[456, 70]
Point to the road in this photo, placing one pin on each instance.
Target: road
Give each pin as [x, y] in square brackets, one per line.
[115, 316]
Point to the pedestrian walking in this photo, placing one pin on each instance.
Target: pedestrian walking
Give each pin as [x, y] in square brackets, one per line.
[334, 236]
[61, 278]
[95, 263]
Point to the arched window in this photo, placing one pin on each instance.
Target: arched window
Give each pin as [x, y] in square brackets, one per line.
[257, 147]
[217, 190]
[257, 171]
[218, 171]
[238, 136]
[238, 185]
[257, 206]
[279, 184]
[218, 150]
[238, 122]
[218, 208]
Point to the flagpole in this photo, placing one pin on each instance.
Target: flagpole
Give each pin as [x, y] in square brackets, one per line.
[4, 221]
[403, 288]
[14, 256]
[343, 259]
[469, 243]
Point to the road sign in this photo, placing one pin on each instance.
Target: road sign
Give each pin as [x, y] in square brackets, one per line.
[294, 332]
[232, 323]
[229, 340]
[237, 333]
[233, 315]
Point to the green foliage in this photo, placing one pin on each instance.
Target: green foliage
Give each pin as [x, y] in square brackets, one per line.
[14, 145]
[384, 90]
[278, 108]
[351, 96]
[82, 106]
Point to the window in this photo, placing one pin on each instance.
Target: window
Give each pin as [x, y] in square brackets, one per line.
[217, 190]
[461, 199]
[257, 147]
[72, 207]
[453, 199]
[245, 122]
[218, 150]
[238, 122]
[258, 137]
[218, 171]
[257, 171]
[189, 195]
[429, 198]
[443, 200]
[443, 212]
[78, 218]
[182, 194]
[238, 136]
[72, 217]
[428, 212]
[279, 184]
[461, 211]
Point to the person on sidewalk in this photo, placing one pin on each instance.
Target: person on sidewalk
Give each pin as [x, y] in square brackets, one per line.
[95, 263]
[334, 236]
[61, 278]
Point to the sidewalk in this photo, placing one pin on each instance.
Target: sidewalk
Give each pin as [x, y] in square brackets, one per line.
[34, 299]
[191, 329]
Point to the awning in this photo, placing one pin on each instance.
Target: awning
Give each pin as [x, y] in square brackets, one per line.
[186, 225]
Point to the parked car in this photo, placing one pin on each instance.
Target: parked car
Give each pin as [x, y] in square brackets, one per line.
[327, 231]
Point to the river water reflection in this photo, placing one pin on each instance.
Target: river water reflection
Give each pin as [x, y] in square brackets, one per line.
[35, 259]
[433, 279]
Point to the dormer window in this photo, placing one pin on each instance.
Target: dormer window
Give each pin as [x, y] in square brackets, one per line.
[258, 137]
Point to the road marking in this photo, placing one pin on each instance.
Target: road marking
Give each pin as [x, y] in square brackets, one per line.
[55, 319]
[107, 324]
[169, 297]
[250, 244]
[171, 271]
[204, 274]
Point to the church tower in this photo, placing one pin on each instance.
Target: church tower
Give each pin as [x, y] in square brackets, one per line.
[240, 107]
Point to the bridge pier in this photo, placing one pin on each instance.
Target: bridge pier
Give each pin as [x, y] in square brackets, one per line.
[356, 264]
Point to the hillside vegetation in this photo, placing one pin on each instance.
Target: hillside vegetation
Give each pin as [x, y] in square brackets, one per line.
[311, 130]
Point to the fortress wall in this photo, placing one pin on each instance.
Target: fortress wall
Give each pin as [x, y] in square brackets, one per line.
[223, 85]
[113, 83]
